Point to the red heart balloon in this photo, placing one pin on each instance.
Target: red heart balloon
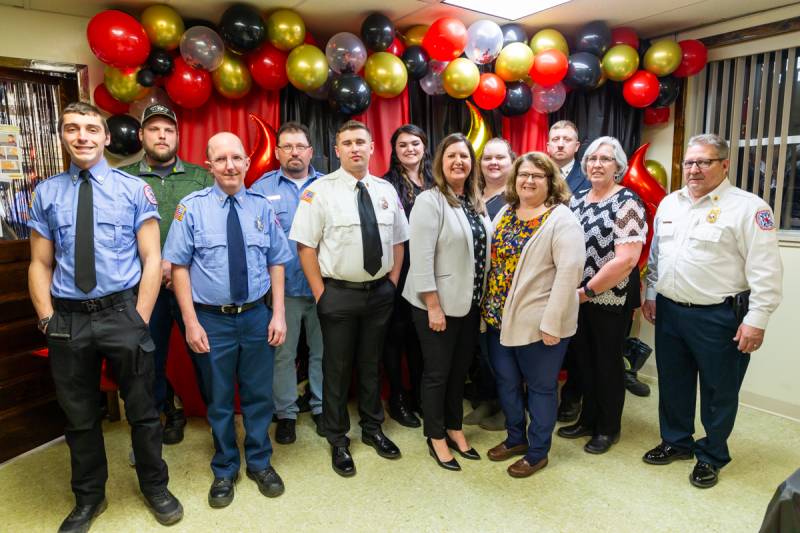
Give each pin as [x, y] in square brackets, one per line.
[262, 158]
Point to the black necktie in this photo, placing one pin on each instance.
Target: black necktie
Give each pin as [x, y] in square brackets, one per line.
[85, 273]
[370, 236]
[237, 255]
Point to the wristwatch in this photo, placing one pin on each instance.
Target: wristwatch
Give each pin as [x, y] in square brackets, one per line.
[42, 324]
[588, 292]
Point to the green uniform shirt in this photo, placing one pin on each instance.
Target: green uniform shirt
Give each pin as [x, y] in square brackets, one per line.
[185, 178]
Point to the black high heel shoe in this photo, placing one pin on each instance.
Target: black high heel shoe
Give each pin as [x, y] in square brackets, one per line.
[452, 464]
[471, 454]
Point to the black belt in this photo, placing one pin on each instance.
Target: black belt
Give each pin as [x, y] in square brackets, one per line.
[229, 309]
[726, 301]
[95, 304]
[357, 285]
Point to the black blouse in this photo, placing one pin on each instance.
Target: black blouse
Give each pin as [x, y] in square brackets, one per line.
[478, 246]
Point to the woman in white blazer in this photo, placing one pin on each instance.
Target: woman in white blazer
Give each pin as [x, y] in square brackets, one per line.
[449, 245]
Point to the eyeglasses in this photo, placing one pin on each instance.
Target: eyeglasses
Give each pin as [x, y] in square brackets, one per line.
[702, 164]
[525, 176]
[221, 161]
[603, 160]
[289, 148]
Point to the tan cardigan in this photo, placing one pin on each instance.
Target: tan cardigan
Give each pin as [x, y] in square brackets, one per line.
[543, 294]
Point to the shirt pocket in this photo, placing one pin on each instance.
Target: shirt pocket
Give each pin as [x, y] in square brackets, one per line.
[257, 249]
[385, 226]
[211, 249]
[703, 242]
[345, 231]
[63, 227]
[284, 217]
[115, 228]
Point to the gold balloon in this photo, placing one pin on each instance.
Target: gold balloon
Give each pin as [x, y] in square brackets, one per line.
[658, 172]
[620, 62]
[285, 29]
[122, 84]
[386, 74]
[514, 62]
[549, 39]
[413, 36]
[232, 79]
[461, 78]
[163, 25]
[663, 57]
[307, 67]
[479, 130]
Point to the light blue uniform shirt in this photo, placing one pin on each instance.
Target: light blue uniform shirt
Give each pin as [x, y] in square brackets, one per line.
[285, 196]
[122, 203]
[198, 239]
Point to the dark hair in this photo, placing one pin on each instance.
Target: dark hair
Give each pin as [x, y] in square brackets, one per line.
[471, 186]
[352, 125]
[81, 108]
[293, 127]
[557, 189]
[396, 175]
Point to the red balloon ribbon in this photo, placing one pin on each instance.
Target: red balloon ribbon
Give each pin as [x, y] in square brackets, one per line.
[262, 158]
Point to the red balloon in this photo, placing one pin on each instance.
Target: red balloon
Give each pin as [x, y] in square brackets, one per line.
[491, 91]
[268, 67]
[187, 86]
[397, 47]
[695, 57]
[641, 89]
[118, 39]
[262, 158]
[106, 102]
[623, 35]
[310, 39]
[656, 115]
[445, 39]
[639, 180]
[549, 67]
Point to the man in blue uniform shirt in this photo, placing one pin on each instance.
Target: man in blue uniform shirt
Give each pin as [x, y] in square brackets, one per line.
[226, 250]
[283, 188]
[94, 240]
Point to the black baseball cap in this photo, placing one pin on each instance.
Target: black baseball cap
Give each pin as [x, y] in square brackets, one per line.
[157, 110]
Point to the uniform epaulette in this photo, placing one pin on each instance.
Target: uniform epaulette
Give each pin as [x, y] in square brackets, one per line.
[255, 193]
[198, 194]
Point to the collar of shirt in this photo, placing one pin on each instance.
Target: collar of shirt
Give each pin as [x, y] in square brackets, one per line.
[312, 174]
[221, 195]
[566, 169]
[99, 171]
[350, 180]
[144, 168]
[712, 196]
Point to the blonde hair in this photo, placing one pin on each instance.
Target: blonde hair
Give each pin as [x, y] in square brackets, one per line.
[557, 190]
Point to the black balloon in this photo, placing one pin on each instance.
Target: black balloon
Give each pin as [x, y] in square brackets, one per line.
[242, 28]
[377, 32]
[160, 62]
[518, 99]
[669, 88]
[594, 37]
[584, 71]
[513, 33]
[349, 94]
[416, 61]
[124, 130]
[145, 77]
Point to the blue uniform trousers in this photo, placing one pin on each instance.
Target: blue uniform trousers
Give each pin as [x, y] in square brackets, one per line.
[692, 341]
[240, 355]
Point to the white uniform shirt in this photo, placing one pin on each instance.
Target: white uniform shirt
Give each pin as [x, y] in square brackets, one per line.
[566, 169]
[327, 219]
[722, 244]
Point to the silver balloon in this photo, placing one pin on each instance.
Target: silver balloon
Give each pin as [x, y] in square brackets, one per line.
[345, 53]
[432, 82]
[157, 95]
[548, 99]
[202, 47]
[484, 42]
[322, 92]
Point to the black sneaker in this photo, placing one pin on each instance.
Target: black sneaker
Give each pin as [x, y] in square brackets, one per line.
[285, 431]
[80, 518]
[165, 507]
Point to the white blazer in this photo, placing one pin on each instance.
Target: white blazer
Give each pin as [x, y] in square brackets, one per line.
[441, 250]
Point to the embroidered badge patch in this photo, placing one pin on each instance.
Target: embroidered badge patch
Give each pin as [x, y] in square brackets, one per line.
[764, 220]
[308, 196]
[150, 195]
[180, 211]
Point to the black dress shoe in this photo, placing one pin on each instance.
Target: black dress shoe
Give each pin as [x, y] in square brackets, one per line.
[165, 507]
[471, 454]
[568, 412]
[601, 443]
[575, 431]
[636, 387]
[385, 447]
[452, 464]
[285, 431]
[173, 427]
[318, 423]
[81, 517]
[401, 413]
[342, 461]
[704, 475]
[221, 492]
[269, 482]
[664, 454]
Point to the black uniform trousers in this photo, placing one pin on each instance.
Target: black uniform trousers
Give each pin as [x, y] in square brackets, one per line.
[354, 323]
[77, 342]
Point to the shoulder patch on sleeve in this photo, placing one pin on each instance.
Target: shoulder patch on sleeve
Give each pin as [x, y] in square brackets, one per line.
[765, 220]
[180, 212]
[308, 196]
[150, 195]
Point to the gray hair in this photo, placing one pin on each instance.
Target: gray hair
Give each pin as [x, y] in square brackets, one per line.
[619, 154]
[711, 139]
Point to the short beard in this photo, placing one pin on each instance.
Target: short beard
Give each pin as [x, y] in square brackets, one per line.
[161, 158]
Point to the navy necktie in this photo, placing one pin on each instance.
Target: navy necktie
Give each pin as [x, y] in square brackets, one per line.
[237, 255]
[85, 273]
[370, 235]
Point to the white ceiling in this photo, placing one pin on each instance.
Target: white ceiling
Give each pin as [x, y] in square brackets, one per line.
[326, 17]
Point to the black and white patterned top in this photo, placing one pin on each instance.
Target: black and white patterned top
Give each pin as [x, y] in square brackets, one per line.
[478, 246]
[619, 219]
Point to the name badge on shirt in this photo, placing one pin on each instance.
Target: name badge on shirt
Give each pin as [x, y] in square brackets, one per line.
[667, 228]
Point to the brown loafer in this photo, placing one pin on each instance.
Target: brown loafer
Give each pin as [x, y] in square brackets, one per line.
[522, 469]
[501, 453]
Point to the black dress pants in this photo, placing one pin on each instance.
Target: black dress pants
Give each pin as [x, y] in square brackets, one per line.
[354, 323]
[401, 338]
[446, 359]
[77, 342]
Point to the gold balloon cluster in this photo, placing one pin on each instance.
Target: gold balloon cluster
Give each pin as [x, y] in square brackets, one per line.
[620, 62]
[122, 84]
[285, 29]
[307, 67]
[549, 39]
[663, 57]
[460, 78]
[385, 74]
[514, 62]
[232, 79]
[163, 25]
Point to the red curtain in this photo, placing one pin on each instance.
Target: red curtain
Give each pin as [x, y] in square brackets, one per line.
[527, 132]
[383, 116]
